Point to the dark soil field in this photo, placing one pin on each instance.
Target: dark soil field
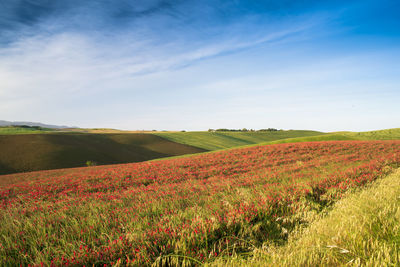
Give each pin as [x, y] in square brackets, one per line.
[32, 152]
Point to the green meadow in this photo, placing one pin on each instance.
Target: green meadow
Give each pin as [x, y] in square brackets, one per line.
[387, 134]
[222, 140]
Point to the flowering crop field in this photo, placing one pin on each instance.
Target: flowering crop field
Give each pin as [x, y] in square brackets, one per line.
[179, 211]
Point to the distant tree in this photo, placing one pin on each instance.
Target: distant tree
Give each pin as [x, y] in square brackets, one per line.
[268, 130]
[90, 163]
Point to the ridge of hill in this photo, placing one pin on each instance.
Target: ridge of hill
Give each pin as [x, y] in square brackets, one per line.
[29, 123]
[222, 140]
[387, 134]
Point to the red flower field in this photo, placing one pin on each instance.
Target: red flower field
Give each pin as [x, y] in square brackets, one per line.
[185, 210]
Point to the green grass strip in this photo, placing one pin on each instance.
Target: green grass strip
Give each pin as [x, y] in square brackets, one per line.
[224, 140]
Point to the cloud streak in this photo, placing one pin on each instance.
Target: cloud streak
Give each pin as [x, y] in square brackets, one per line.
[87, 62]
[64, 62]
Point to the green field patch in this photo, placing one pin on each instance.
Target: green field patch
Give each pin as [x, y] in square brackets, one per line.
[23, 152]
[222, 140]
[388, 134]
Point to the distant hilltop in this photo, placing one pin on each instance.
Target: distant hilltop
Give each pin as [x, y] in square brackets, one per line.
[29, 123]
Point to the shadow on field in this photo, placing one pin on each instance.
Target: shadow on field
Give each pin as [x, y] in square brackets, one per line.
[20, 153]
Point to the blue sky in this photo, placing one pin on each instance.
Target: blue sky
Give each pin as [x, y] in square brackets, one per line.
[195, 65]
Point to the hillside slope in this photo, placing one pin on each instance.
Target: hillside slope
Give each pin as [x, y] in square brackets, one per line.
[388, 134]
[187, 211]
[361, 230]
[20, 153]
[52, 150]
[222, 140]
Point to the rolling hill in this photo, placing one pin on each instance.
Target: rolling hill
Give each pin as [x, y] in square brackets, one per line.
[31, 152]
[34, 148]
[223, 140]
[387, 134]
[239, 205]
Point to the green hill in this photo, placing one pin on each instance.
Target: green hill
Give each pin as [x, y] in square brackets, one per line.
[388, 134]
[223, 140]
[34, 148]
[23, 129]
[31, 152]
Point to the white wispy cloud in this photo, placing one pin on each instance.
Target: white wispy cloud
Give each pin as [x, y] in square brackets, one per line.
[54, 64]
